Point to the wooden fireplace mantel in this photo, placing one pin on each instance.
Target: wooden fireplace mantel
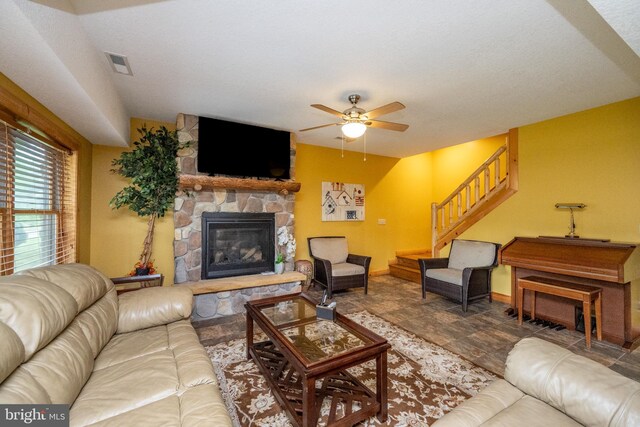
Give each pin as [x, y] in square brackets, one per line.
[205, 182]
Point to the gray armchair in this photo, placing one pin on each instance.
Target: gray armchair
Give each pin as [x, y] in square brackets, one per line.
[334, 267]
[464, 276]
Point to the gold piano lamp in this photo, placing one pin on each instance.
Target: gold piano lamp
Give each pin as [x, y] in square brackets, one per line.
[572, 223]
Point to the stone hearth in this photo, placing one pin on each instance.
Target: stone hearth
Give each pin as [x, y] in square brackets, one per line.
[189, 207]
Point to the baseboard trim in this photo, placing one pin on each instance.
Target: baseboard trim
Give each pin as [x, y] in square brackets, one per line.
[501, 297]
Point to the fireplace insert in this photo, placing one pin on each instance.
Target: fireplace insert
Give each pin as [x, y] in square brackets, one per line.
[235, 244]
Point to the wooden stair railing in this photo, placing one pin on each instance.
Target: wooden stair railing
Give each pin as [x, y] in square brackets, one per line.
[486, 188]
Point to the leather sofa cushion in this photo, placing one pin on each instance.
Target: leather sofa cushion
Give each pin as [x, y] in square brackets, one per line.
[124, 347]
[468, 253]
[587, 391]
[22, 387]
[194, 365]
[449, 275]
[333, 249]
[501, 404]
[121, 388]
[12, 351]
[203, 406]
[58, 371]
[164, 412]
[535, 412]
[38, 304]
[198, 406]
[63, 367]
[150, 307]
[36, 310]
[99, 322]
[84, 283]
[137, 369]
[346, 269]
[476, 411]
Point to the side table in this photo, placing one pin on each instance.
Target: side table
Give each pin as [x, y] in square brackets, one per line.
[148, 281]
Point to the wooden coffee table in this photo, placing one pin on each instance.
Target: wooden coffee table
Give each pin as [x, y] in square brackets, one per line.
[304, 360]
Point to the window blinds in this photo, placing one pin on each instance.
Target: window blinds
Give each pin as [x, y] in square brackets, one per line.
[37, 202]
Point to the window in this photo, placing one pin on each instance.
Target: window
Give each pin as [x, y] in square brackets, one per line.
[37, 201]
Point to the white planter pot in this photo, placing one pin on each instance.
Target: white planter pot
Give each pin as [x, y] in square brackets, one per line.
[279, 269]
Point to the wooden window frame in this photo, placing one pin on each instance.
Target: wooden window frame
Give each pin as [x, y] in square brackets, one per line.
[37, 126]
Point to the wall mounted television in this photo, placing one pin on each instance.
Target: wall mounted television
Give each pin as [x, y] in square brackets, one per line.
[241, 150]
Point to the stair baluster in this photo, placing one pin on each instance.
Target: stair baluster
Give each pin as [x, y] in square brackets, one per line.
[487, 197]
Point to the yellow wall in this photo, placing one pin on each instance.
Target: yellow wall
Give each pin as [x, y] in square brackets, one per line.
[117, 235]
[592, 157]
[84, 164]
[398, 190]
[452, 165]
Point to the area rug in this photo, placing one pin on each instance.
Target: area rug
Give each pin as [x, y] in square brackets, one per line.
[425, 381]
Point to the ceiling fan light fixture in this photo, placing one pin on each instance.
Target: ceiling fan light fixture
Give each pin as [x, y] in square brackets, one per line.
[354, 129]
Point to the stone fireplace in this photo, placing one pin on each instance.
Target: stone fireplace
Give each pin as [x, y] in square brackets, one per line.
[193, 204]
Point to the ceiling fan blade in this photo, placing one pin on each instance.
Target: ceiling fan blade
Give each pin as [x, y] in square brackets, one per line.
[387, 125]
[346, 139]
[328, 110]
[318, 127]
[385, 109]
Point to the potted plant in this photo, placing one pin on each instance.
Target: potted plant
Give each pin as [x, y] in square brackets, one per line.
[152, 168]
[287, 248]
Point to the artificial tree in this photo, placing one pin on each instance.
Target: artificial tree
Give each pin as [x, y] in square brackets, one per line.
[152, 168]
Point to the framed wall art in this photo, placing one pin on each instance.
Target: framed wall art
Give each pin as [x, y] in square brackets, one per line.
[342, 202]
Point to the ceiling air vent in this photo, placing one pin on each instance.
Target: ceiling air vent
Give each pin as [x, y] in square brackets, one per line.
[119, 63]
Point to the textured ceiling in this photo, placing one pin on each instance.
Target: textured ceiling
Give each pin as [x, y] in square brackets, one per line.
[623, 16]
[464, 69]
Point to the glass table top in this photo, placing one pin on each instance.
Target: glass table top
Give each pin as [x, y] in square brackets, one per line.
[315, 339]
[288, 311]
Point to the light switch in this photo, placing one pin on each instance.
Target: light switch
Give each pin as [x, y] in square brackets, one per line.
[382, 221]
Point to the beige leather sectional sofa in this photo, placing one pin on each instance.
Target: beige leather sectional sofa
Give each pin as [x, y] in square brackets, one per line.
[549, 386]
[128, 360]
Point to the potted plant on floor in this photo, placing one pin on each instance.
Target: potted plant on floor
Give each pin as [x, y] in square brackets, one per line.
[152, 168]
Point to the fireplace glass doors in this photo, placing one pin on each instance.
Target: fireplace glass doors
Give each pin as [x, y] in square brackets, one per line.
[235, 244]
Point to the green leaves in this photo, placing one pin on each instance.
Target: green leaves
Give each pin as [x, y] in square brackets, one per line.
[152, 168]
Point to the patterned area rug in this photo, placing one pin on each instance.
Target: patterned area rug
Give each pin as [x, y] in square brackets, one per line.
[425, 381]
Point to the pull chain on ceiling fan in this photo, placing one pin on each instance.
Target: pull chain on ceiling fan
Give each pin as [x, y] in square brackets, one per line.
[355, 120]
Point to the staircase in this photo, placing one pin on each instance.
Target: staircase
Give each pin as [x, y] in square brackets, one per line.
[486, 188]
[406, 266]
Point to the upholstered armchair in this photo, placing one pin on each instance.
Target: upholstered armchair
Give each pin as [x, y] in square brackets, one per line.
[465, 275]
[334, 267]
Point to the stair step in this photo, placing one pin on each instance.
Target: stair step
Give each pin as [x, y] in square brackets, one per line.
[412, 260]
[407, 262]
[406, 273]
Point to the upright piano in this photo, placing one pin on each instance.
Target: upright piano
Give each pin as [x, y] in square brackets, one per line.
[613, 267]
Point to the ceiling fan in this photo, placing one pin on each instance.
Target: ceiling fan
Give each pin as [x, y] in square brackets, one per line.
[355, 120]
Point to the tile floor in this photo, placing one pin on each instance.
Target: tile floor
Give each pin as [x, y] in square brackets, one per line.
[484, 334]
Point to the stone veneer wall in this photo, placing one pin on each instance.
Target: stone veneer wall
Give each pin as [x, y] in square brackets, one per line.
[220, 304]
[187, 222]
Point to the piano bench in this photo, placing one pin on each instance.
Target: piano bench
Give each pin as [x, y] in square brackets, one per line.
[574, 291]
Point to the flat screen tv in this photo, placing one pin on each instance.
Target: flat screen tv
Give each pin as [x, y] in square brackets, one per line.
[241, 150]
